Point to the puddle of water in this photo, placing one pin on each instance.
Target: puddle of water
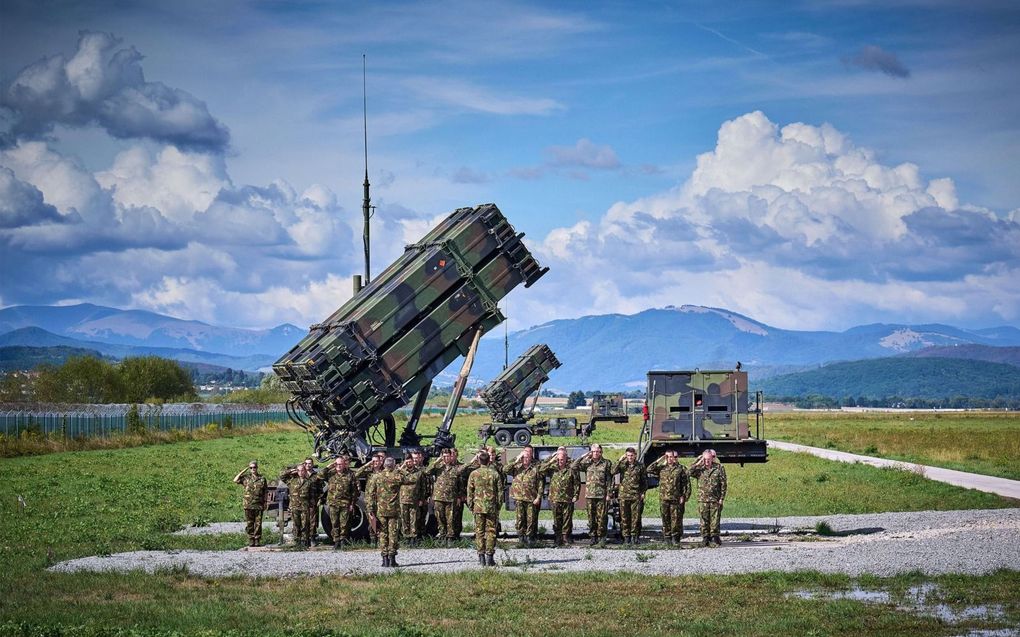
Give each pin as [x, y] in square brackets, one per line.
[917, 601]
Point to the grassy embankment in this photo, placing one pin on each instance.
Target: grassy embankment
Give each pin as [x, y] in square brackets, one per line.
[95, 502]
[979, 442]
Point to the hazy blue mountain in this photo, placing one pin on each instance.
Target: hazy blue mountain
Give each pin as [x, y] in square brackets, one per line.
[930, 378]
[1006, 355]
[608, 352]
[137, 327]
[40, 338]
[614, 351]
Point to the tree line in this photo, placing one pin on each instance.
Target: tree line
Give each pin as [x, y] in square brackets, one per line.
[89, 379]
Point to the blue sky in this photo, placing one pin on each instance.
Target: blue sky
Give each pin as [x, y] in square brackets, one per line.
[811, 165]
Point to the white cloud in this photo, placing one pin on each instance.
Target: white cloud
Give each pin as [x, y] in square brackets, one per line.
[795, 226]
[103, 83]
[477, 98]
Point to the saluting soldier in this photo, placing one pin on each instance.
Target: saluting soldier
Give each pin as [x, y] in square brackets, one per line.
[458, 503]
[253, 501]
[384, 496]
[342, 493]
[564, 484]
[411, 497]
[526, 492]
[711, 493]
[674, 490]
[633, 484]
[427, 484]
[304, 492]
[485, 495]
[368, 472]
[598, 485]
[446, 475]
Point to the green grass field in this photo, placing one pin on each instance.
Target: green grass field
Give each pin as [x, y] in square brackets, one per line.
[104, 501]
[979, 442]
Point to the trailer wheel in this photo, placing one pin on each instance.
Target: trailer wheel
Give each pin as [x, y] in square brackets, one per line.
[522, 438]
[503, 437]
[358, 521]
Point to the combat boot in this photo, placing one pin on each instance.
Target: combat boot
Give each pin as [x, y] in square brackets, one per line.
[490, 560]
[594, 541]
[705, 541]
[481, 559]
[393, 561]
[717, 540]
[669, 540]
[386, 561]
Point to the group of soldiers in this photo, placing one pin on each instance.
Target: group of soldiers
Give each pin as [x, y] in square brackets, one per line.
[397, 497]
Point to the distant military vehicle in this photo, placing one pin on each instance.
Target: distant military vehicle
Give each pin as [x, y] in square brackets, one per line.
[608, 408]
[506, 397]
[690, 411]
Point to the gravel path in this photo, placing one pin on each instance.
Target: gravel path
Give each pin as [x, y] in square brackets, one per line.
[934, 542]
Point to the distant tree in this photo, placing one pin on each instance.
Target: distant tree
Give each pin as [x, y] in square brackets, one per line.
[81, 379]
[575, 399]
[151, 377]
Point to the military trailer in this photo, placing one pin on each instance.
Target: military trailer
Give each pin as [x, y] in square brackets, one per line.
[506, 397]
[691, 411]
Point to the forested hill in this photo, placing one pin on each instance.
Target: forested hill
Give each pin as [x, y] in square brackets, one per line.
[930, 378]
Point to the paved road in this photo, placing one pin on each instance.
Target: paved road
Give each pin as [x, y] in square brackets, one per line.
[990, 484]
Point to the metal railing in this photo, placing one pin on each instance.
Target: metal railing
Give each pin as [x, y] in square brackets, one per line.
[90, 421]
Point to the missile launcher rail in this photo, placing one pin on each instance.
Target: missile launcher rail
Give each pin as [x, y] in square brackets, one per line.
[505, 396]
[387, 343]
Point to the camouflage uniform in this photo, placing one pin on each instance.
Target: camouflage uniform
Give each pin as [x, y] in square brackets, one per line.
[342, 493]
[496, 465]
[411, 491]
[633, 484]
[304, 494]
[711, 493]
[674, 489]
[254, 501]
[365, 472]
[564, 485]
[445, 492]
[598, 484]
[384, 498]
[485, 495]
[524, 490]
[427, 485]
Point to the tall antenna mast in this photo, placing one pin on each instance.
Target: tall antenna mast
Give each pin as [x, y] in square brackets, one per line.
[506, 336]
[366, 204]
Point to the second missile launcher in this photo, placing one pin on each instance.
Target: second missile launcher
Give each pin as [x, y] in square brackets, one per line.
[387, 343]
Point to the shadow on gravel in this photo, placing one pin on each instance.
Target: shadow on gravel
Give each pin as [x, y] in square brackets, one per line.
[866, 530]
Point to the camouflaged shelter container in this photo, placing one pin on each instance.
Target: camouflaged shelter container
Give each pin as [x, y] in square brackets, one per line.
[690, 411]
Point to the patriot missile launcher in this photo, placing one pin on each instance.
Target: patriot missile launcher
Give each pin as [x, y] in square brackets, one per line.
[384, 346]
[506, 397]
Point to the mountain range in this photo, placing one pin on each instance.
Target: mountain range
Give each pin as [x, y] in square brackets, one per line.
[608, 352]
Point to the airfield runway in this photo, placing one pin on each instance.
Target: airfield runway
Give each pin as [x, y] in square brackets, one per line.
[932, 542]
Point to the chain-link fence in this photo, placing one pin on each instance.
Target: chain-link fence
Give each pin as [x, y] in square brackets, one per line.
[89, 421]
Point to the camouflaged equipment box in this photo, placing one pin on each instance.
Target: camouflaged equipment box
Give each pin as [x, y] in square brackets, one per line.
[690, 411]
[505, 396]
[394, 336]
[608, 408]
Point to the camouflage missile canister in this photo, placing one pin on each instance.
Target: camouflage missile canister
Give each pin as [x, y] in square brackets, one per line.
[415, 318]
[506, 394]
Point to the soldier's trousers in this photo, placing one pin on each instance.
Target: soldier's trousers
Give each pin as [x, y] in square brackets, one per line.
[630, 518]
[527, 518]
[562, 523]
[253, 524]
[458, 519]
[301, 517]
[444, 519]
[340, 519]
[711, 514]
[409, 520]
[485, 532]
[597, 518]
[389, 535]
[672, 519]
